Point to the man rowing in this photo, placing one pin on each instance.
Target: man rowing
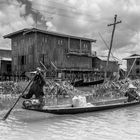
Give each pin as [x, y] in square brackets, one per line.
[131, 93]
[36, 89]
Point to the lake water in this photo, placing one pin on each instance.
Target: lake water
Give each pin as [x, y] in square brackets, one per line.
[117, 124]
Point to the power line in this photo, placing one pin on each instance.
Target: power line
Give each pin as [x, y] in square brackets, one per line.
[108, 47]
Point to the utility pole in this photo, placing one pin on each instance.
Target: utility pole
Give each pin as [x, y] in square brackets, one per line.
[111, 42]
[35, 46]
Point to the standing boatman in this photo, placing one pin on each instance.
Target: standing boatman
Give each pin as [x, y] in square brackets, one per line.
[36, 89]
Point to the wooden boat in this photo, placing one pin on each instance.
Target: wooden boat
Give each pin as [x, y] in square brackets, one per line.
[81, 83]
[92, 83]
[98, 106]
[77, 83]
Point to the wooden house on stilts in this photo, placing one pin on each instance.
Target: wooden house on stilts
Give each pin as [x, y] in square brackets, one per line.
[71, 56]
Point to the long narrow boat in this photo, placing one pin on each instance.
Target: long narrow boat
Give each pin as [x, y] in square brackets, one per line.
[98, 106]
[81, 83]
[77, 83]
[97, 82]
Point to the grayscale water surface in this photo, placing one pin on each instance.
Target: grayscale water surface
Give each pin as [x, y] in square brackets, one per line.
[117, 124]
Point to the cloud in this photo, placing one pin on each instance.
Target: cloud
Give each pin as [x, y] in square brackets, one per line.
[85, 18]
[12, 18]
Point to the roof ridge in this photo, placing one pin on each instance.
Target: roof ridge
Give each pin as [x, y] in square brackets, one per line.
[47, 32]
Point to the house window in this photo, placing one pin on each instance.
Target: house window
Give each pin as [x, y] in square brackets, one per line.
[137, 71]
[30, 57]
[137, 62]
[22, 60]
[15, 60]
[8, 67]
[22, 41]
[85, 46]
[14, 43]
[42, 58]
[29, 41]
[45, 40]
[60, 42]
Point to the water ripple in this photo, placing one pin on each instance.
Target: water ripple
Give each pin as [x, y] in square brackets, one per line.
[118, 124]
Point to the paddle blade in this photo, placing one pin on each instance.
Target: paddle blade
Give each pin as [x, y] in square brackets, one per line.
[6, 115]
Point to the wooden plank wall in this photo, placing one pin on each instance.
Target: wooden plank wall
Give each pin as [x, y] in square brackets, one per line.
[101, 65]
[79, 62]
[22, 45]
[53, 48]
[135, 68]
[5, 53]
[38, 46]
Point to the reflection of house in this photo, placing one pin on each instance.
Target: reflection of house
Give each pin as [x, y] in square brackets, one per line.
[99, 64]
[133, 65]
[69, 54]
[5, 62]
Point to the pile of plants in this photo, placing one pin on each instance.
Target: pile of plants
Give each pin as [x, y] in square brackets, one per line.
[11, 87]
[61, 88]
[111, 89]
[115, 89]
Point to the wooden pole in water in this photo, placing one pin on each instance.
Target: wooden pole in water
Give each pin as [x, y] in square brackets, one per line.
[111, 42]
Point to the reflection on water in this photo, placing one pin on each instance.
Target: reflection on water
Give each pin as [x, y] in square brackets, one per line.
[118, 124]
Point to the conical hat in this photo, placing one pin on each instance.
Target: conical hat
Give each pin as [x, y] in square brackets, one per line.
[132, 86]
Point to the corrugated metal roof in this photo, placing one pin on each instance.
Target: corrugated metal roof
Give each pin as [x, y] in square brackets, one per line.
[104, 58]
[132, 57]
[27, 30]
[6, 59]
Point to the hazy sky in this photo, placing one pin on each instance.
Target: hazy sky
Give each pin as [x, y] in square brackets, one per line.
[87, 18]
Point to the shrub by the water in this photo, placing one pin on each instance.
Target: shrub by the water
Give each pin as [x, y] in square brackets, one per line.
[11, 87]
[9, 92]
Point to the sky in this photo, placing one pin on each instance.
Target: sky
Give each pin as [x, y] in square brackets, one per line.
[85, 18]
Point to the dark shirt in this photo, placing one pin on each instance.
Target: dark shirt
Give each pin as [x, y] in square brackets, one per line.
[36, 88]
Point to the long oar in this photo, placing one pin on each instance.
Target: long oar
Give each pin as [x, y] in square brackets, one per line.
[7, 114]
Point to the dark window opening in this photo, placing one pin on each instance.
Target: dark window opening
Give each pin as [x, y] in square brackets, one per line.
[8, 67]
[137, 62]
[42, 58]
[137, 71]
[22, 60]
